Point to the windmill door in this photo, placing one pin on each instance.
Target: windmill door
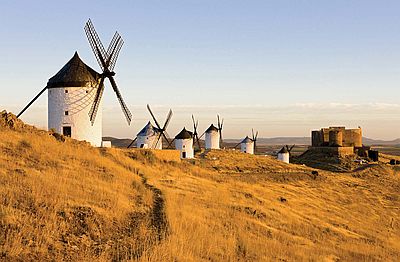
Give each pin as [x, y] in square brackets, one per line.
[67, 131]
[183, 154]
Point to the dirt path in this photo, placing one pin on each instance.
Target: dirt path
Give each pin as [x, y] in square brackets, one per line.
[158, 217]
[154, 219]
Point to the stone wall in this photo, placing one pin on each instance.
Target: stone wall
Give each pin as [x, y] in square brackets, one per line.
[334, 151]
[348, 137]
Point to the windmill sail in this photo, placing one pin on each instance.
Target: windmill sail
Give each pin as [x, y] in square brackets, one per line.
[31, 102]
[195, 134]
[162, 130]
[220, 125]
[106, 61]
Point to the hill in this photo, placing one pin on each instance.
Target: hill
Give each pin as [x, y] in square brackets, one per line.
[64, 200]
[377, 142]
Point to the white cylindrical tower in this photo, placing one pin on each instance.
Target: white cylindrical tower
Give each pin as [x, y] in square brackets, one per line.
[283, 155]
[149, 137]
[184, 143]
[247, 145]
[71, 93]
[212, 138]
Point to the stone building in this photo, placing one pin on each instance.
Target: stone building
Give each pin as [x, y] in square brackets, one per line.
[337, 136]
[337, 140]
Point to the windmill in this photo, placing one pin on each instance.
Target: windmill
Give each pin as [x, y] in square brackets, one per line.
[220, 125]
[284, 154]
[184, 143]
[150, 136]
[196, 138]
[248, 145]
[162, 130]
[254, 138]
[106, 60]
[74, 93]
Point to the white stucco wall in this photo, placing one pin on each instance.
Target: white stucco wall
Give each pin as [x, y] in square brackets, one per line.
[149, 142]
[77, 102]
[212, 140]
[283, 157]
[185, 145]
[247, 148]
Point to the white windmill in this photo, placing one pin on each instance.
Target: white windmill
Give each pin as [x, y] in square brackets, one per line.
[75, 92]
[184, 143]
[248, 145]
[150, 136]
[284, 154]
[213, 138]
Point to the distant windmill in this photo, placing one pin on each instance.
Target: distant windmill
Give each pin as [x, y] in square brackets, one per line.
[284, 154]
[147, 138]
[184, 143]
[248, 145]
[106, 60]
[212, 138]
[162, 130]
[150, 136]
[196, 139]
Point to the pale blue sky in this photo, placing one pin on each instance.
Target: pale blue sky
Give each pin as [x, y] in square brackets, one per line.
[283, 67]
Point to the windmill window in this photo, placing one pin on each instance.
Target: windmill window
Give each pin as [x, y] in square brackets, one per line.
[87, 91]
[66, 91]
[66, 113]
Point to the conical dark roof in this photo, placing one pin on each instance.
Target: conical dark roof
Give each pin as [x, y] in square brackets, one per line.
[247, 140]
[211, 129]
[148, 130]
[75, 73]
[283, 150]
[184, 134]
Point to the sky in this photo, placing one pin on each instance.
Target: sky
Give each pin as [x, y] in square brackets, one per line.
[283, 68]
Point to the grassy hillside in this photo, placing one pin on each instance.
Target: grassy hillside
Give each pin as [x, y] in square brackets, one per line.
[67, 200]
[231, 206]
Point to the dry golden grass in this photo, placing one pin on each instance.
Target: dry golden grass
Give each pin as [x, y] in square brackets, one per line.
[217, 213]
[67, 200]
